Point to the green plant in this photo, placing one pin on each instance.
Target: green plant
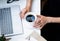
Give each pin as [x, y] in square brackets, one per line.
[2, 38]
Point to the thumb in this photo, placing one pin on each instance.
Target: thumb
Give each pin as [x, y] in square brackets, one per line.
[39, 16]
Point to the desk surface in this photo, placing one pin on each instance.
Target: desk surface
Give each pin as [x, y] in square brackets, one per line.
[27, 31]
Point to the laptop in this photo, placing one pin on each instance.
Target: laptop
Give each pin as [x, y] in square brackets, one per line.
[10, 21]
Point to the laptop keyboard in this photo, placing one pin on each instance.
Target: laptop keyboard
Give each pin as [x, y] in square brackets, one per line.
[6, 21]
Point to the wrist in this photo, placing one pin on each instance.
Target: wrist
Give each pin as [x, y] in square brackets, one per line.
[49, 19]
[28, 9]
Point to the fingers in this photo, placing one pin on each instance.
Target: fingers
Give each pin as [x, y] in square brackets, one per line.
[37, 22]
[39, 25]
[39, 16]
[22, 14]
[24, 11]
[40, 22]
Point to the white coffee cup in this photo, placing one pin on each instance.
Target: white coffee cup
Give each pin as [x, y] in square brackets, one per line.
[30, 17]
[29, 25]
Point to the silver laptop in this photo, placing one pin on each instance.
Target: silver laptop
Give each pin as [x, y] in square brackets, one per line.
[10, 21]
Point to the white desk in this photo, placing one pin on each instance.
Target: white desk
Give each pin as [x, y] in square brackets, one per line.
[27, 31]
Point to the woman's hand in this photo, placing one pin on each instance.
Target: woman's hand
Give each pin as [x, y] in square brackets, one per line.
[26, 9]
[23, 12]
[41, 21]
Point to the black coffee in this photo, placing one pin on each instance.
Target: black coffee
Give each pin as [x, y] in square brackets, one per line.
[30, 18]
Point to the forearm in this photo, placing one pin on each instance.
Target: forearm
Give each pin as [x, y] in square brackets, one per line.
[29, 4]
[53, 19]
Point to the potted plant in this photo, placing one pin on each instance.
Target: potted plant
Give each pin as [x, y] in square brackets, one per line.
[3, 38]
